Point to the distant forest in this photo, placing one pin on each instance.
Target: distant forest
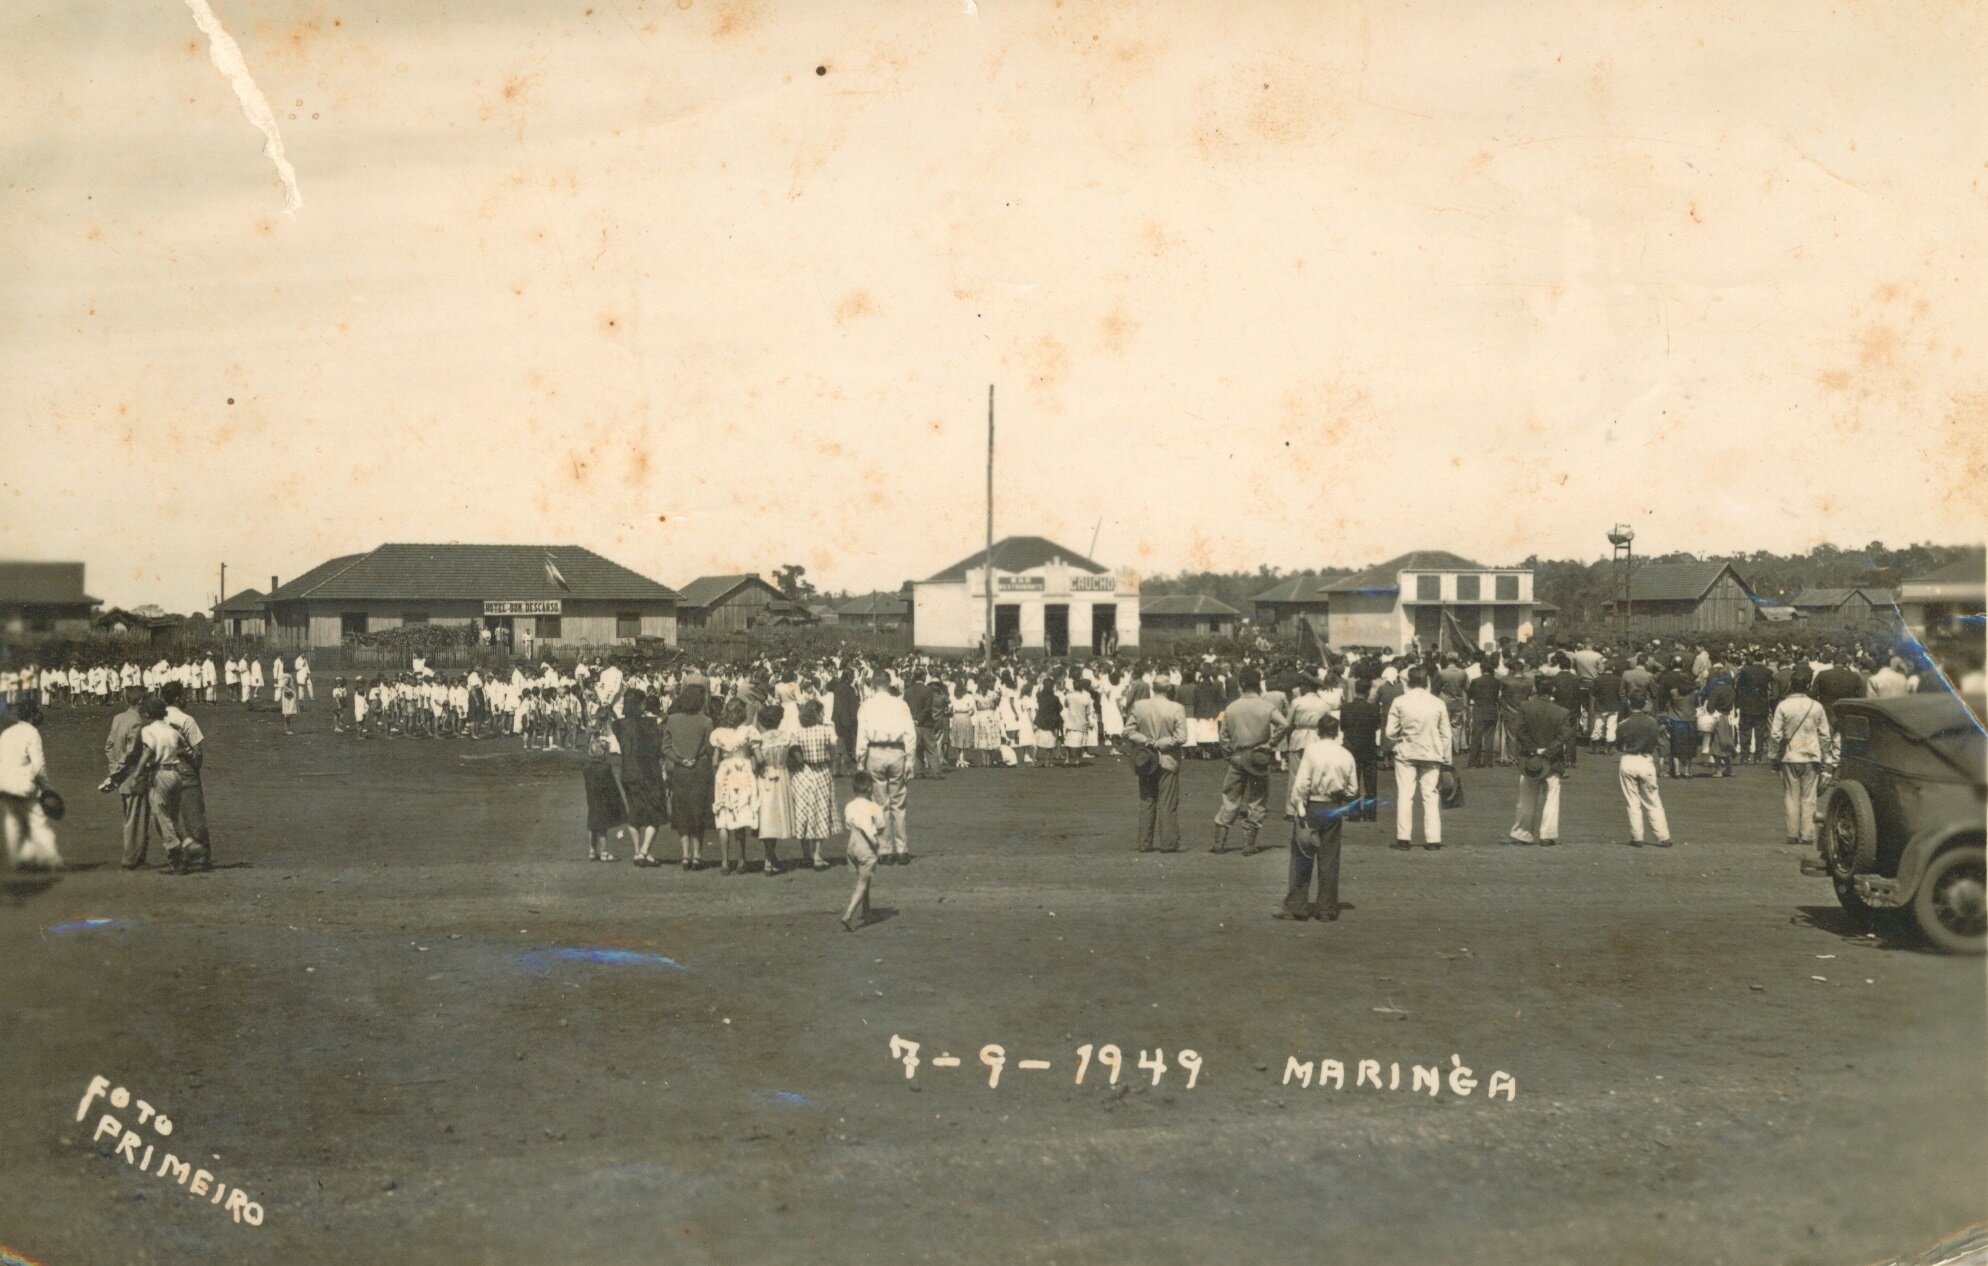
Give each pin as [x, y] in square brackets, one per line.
[1580, 589]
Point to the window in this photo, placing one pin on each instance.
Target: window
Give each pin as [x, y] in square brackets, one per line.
[1428, 588]
[548, 628]
[1467, 588]
[414, 617]
[1508, 588]
[352, 624]
[628, 625]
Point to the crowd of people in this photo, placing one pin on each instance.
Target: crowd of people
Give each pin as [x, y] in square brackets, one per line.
[741, 759]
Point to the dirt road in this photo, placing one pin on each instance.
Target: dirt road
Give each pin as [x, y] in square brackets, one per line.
[410, 1022]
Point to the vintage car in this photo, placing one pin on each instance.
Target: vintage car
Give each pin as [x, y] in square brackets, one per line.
[1902, 825]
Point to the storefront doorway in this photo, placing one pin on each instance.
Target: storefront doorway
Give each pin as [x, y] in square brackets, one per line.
[1104, 628]
[1056, 629]
[1007, 626]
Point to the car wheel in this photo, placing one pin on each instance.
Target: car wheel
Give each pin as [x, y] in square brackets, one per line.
[1951, 906]
[1849, 833]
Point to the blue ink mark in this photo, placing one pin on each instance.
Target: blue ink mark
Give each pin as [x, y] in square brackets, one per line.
[84, 925]
[788, 1097]
[540, 960]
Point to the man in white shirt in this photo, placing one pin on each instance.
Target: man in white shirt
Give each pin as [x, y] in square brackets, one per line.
[210, 680]
[1325, 783]
[1798, 736]
[192, 822]
[305, 690]
[887, 748]
[24, 824]
[1418, 733]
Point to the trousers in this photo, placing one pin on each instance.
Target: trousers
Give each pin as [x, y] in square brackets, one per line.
[26, 832]
[1418, 780]
[1159, 809]
[1319, 836]
[1539, 810]
[165, 795]
[888, 768]
[137, 826]
[1799, 780]
[1244, 795]
[1638, 776]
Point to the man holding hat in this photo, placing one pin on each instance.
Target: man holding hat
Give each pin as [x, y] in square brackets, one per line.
[1156, 730]
[1250, 730]
[1321, 789]
[1544, 733]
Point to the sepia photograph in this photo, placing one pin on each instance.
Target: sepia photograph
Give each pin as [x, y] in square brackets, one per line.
[961, 631]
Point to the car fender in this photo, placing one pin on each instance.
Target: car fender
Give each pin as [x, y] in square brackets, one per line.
[1923, 847]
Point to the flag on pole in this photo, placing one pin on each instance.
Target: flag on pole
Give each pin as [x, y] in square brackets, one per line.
[552, 574]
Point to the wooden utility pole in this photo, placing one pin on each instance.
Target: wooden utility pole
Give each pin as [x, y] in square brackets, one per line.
[224, 586]
[987, 560]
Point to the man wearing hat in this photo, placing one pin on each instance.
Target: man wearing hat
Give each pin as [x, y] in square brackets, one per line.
[1156, 730]
[1311, 702]
[1250, 729]
[1544, 733]
[1322, 788]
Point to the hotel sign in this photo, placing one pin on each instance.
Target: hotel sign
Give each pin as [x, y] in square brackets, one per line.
[548, 606]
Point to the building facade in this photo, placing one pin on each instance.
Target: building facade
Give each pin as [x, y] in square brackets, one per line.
[42, 600]
[1677, 598]
[875, 611]
[1047, 600]
[243, 615]
[1430, 599]
[1854, 610]
[733, 604]
[1297, 600]
[1175, 615]
[1945, 601]
[515, 595]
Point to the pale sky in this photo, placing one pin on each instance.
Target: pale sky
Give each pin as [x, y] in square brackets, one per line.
[1287, 283]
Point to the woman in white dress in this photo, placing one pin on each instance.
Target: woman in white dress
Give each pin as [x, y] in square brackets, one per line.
[735, 788]
[1111, 704]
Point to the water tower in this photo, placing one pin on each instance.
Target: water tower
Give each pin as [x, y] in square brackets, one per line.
[1622, 537]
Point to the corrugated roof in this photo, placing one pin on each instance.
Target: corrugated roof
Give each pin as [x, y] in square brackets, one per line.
[247, 602]
[1185, 604]
[1959, 571]
[1019, 553]
[513, 572]
[1386, 576]
[1677, 582]
[50, 584]
[709, 590]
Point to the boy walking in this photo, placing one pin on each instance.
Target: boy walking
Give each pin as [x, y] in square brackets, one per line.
[866, 825]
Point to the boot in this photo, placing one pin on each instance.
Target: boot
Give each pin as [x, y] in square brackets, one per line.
[1250, 848]
[1221, 844]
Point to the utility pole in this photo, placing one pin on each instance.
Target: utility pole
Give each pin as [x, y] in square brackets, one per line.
[987, 561]
[224, 586]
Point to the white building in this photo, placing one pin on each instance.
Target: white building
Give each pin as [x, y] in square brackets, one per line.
[1047, 599]
[1433, 599]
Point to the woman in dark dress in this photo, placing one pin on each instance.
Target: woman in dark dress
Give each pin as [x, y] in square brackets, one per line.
[1048, 721]
[687, 757]
[641, 745]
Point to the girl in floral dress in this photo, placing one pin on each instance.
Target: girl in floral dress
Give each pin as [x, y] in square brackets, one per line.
[735, 793]
[769, 761]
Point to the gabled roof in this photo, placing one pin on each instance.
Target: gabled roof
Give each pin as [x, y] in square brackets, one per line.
[317, 575]
[1387, 575]
[1296, 589]
[709, 591]
[1678, 582]
[247, 602]
[1185, 604]
[1019, 553]
[1959, 571]
[1829, 599]
[47, 584]
[875, 604]
[513, 572]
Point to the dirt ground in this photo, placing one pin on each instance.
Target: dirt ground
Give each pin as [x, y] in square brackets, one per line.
[362, 1019]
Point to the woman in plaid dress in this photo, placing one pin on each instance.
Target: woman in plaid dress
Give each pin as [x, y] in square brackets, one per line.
[814, 783]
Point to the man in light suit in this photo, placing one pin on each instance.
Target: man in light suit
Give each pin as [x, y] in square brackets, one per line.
[1418, 733]
[1156, 730]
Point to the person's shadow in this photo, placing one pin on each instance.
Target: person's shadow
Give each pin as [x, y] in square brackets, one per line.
[880, 914]
[18, 888]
